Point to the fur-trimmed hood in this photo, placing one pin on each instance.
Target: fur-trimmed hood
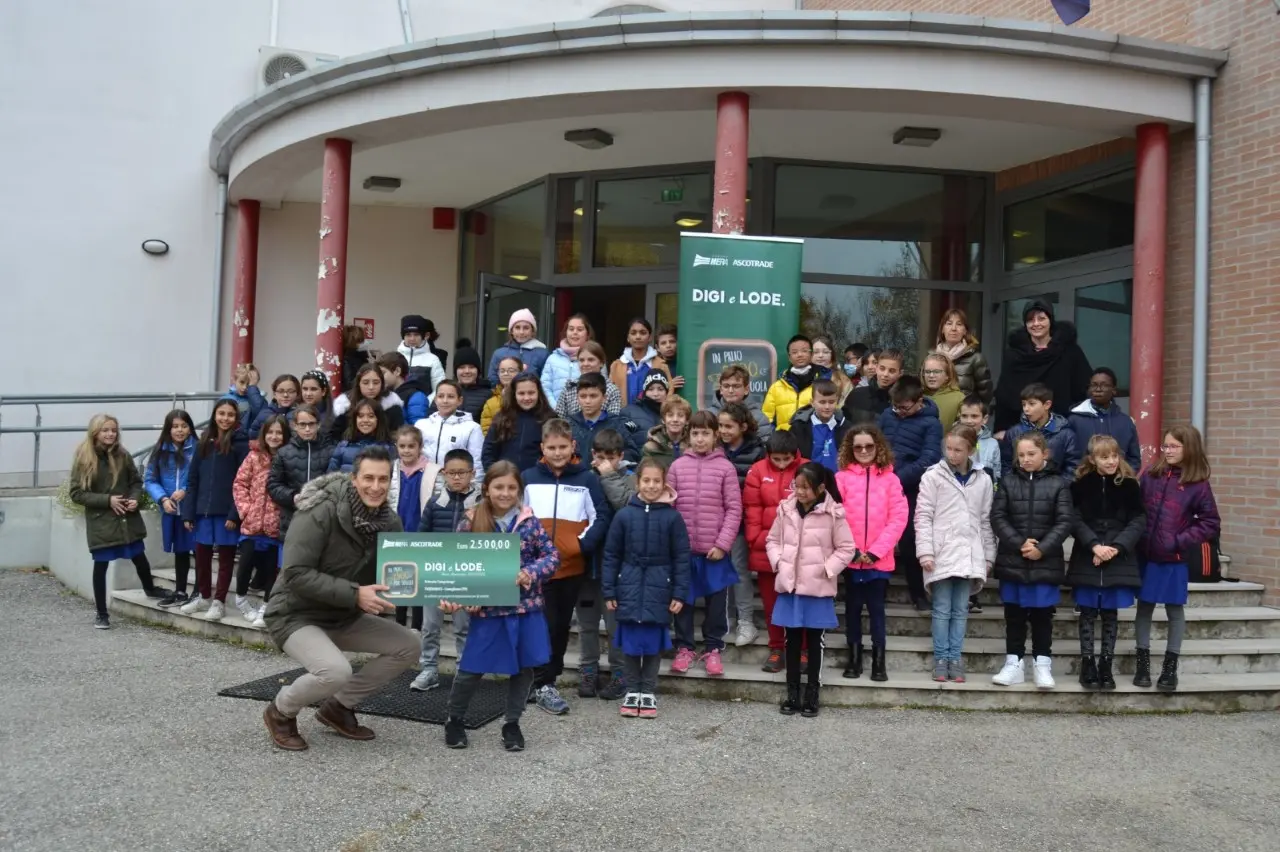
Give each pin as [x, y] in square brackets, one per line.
[322, 489]
[390, 400]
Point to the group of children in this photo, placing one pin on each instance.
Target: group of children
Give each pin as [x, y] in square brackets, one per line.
[634, 515]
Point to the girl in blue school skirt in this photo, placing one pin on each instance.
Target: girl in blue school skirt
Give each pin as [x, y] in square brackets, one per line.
[1103, 571]
[166, 478]
[505, 640]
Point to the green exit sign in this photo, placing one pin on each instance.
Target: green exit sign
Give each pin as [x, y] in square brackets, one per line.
[672, 196]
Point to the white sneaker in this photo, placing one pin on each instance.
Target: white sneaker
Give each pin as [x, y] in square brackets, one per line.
[196, 604]
[217, 610]
[1044, 673]
[259, 618]
[747, 634]
[1011, 673]
[247, 609]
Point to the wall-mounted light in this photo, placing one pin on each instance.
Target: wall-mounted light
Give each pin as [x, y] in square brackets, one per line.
[591, 138]
[377, 183]
[916, 137]
[156, 247]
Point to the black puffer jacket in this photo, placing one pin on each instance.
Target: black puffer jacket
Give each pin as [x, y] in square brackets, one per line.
[297, 463]
[1111, 515]
[446, 509]
[1032, 505]
[751, 451]
[474, 397]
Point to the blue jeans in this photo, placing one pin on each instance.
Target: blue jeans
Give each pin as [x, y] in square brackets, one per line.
[950, 616]
[432, 621]
[714, 625]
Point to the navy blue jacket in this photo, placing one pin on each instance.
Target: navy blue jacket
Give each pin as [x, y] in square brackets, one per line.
[211, 477]
[524, 448]
[1087, 421]
[916, 443]
[344, 455]
[1058, 434]
[751, 451]
[260, 419]
[584, 434]
[446, 509]
[645, 414]
[646, 562]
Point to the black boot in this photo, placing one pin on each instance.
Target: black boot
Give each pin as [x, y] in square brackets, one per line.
[1105, 680]
[1088, 673]
[810, 708]
[1142, 674]
[792, 702]
[1168, 681]
[878, 671]
[854, 669]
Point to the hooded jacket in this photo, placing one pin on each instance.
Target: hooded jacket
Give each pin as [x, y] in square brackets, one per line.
[560, 367]
[805, 424]
[748, 453]
[532, 355]
[953, 525]
[1109, 513]
[645, 414]
[1062, 366]
[646, 561]
[458, 431]
[265, 413]
[254, 509]
[987, 455]
[103, 527]
[523, 449]
[1032, 505]
[628, 374]
[416, 394]
[492, 405]
[707, 497]
[808, 552]
[584, 433]
[916, 441]
[1086, 421]
[392, 407]
[661, 447]
[325, 562]
[787, 395]
[297, 463]
[343, 458]
[538, 556]
[446, 509]
[866, 403]
[764, 426]
[762, 493]
[1179, 517]
[423, 362]
[209, 485]
[161, 480]
[1058, 435]
[875, 509]
[474, 398]
[572, 509]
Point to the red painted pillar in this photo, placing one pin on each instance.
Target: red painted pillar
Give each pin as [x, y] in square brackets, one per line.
[247, 212]
[729, 202]
[331, 285]
[1150, 237]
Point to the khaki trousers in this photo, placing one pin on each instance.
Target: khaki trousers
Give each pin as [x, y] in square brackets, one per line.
[328, 670]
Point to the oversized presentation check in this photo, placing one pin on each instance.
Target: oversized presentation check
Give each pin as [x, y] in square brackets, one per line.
[473, 569]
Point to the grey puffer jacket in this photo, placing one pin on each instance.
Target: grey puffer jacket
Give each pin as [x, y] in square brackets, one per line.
[1032, 505]
[975, 374]
[325, 562]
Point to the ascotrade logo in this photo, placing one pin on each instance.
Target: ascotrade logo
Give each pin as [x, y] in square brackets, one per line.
[703, 260]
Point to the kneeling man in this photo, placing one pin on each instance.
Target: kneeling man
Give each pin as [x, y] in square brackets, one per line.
[326, 602]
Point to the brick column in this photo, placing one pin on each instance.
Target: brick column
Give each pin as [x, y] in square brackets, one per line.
[1150, 238]
[331, 284]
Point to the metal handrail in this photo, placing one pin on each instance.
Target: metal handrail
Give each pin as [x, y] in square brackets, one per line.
[39, 429]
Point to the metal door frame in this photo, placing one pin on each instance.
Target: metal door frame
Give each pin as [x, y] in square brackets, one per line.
[488, 279]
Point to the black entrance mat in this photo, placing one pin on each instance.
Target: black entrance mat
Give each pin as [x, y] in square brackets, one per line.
[396, 700]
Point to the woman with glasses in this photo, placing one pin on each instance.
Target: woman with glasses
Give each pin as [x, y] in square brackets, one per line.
[938, 375]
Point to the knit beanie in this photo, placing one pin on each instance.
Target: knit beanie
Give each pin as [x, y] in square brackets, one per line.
[523, 315]
[466, 357]
[1037, 305]
[656, 378]
[415, 322]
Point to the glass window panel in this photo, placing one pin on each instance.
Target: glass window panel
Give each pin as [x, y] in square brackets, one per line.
[905, 318]
[639, 220]
[668, 309]
[1104, 319]
[504, 237]
[466, 321]
[1084, 219]
[905, 224]
[568, 225]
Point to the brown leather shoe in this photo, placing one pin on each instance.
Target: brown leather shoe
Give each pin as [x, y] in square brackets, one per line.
[343, 720]
[283, 730]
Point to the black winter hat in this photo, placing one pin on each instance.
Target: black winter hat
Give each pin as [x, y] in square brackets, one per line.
[656, 378]
[465, 356]
[415, 322]
[1037, 305]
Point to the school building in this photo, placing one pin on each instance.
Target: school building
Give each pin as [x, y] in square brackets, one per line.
[200, 184]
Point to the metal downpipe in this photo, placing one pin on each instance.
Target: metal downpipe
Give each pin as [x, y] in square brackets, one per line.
[1200, 314]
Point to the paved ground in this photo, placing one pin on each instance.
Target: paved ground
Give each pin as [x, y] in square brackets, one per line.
[115, 741]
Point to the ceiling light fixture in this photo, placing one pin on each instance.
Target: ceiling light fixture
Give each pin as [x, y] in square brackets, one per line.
[916, 137]
[1029, 261]
[519, 277]
[688, 220]
[377, 183]
[591, 138]
[1017, 235]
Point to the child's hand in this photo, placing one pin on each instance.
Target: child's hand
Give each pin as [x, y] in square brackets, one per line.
[677, 383]
[472, 610]
[675, 607]
[926, 564]
[230, 525]
[168, 505]
[449, 607]
[1034, 553]
[604, 467]
[524, 579]
[1027, 547]
[131, 505]
[178, 495]
[715, 554]
[189, 526]
[612, 605]
[1104, 553]
[119, 505]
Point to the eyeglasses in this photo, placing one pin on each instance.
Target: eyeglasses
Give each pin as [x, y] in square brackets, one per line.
[507, 371]
[863, 448]
[1169, 448]
[904, 409]
[935, 372]
[457, 474]
[305, 424]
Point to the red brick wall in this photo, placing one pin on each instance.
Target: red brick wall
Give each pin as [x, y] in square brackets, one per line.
[1244, 360]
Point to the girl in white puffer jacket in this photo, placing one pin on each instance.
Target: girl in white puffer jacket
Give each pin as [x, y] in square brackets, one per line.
[955, 544]
[450, 428]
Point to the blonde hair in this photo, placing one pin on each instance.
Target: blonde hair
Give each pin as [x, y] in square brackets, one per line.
[84, 467]
[953, 380]
[1103, 445]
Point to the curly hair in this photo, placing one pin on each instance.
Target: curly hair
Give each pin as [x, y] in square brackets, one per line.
[884, 453]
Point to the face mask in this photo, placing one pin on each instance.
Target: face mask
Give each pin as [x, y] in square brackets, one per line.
[850, 369]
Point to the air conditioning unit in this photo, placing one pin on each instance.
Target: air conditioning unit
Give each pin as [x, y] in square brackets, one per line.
[276, 64]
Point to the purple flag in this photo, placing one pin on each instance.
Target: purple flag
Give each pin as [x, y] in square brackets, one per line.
[1071, 11]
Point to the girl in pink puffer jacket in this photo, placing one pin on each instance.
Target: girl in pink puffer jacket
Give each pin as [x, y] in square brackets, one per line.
[808, 546]
[708, 499]
[876, 510]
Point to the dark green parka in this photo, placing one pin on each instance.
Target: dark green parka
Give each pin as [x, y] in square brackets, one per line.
[103, 527]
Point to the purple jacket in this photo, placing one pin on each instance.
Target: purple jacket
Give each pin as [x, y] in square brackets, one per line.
[1179, 517]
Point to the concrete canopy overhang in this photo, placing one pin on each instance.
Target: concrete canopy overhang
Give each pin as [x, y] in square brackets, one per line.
[1009, 73]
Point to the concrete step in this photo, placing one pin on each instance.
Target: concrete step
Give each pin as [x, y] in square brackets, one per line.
[1225, 593]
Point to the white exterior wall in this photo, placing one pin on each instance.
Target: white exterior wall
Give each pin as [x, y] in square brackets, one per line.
[108, 109]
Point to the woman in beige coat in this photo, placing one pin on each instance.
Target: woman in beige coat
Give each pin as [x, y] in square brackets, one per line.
[954, 543]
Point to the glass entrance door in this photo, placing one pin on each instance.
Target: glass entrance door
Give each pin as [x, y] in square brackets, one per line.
[500, 297]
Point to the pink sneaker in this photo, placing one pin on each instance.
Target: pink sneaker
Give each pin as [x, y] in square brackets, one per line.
[648, 707]
[711, 659]
[684, 658]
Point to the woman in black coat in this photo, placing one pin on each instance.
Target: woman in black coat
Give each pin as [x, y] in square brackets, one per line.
[1110, 521]
[1044, 350]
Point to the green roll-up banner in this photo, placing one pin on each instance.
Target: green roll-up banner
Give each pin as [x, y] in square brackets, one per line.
[739, 304]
